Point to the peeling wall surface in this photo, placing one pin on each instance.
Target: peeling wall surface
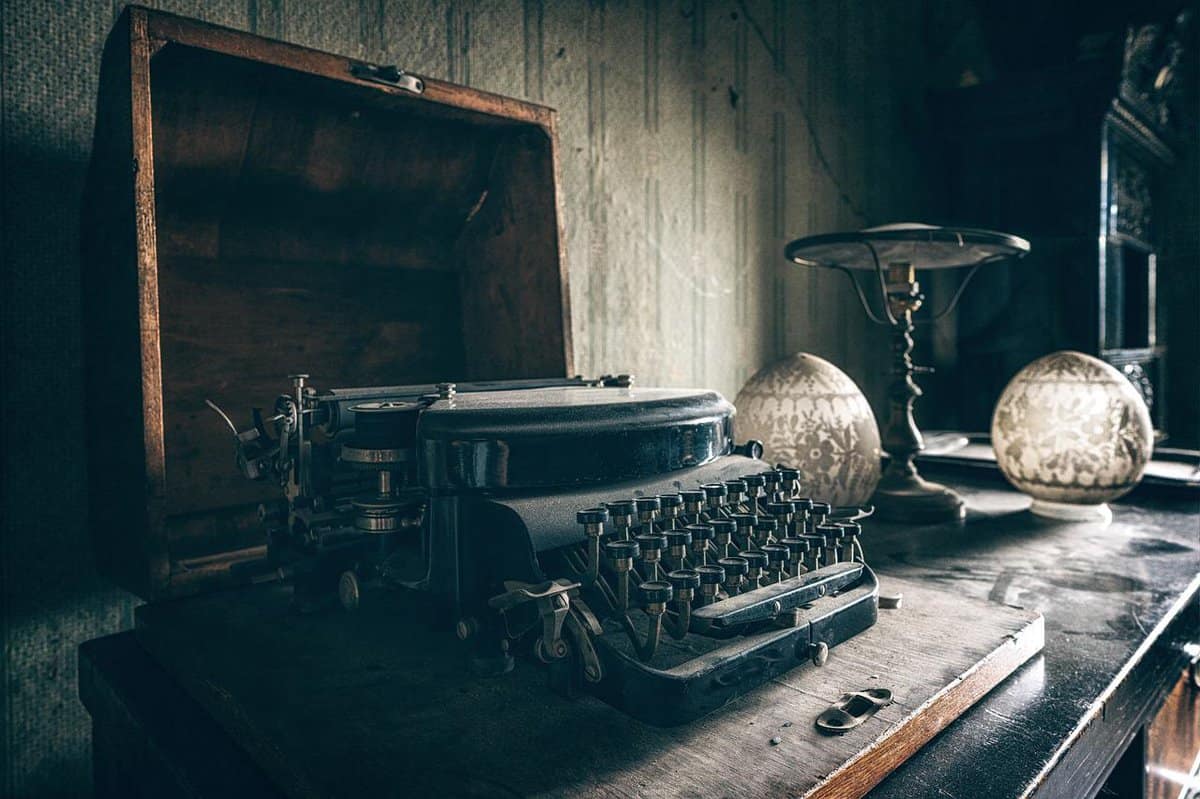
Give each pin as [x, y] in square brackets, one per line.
[696, 140]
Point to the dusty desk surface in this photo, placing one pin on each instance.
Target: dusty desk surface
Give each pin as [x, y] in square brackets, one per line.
[344, 704]
[1107, 594]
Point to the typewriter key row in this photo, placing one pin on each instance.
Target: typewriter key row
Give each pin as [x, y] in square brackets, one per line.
[701, 546]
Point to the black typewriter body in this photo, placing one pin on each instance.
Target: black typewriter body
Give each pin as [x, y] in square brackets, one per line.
[616, 534]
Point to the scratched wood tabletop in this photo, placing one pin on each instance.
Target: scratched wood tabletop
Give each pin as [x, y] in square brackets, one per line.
[357, 704]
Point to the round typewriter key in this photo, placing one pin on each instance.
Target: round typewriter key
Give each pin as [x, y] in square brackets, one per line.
[851, 528]
[719, 526]
[621, 550]
[803, 503]
[756, 558]
[711, 575]
[776, 554]
[767, 526]
[772, 479]
[692, 497]
[622, 507]
[736, 488]
[714, 490]
[656, 592]
[646, 504]
[744, 519]
[684, 579]
[754, 480]
[670, 500]
[733, 566]
[592, 516]
[796, 547]
[829, 531]
[678, 539]
[651, 542]
[781, 508]
[821, 508]
[700, 532]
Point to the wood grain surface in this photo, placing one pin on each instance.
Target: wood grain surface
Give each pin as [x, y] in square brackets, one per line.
[335, 704]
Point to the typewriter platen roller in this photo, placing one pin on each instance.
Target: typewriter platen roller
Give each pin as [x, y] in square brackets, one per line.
[616, 534]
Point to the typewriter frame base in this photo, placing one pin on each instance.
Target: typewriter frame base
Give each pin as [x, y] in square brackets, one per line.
[673, 696]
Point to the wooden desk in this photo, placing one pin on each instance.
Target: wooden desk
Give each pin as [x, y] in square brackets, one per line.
[1119, 602]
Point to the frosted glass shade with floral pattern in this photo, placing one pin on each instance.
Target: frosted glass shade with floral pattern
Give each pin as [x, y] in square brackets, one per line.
[1073, 433]
[811, 416]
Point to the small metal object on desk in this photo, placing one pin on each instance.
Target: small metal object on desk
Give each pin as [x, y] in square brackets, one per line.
[851, 710]
[891, 601]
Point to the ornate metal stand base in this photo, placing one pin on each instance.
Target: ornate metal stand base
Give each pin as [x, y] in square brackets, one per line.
[909, 498]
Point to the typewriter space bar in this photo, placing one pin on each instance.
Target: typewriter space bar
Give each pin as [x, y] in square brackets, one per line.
[770, 600]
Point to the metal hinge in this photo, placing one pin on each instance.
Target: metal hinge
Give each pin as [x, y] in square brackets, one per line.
[388, 74]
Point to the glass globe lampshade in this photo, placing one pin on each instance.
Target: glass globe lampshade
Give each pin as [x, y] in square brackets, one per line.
[811, 416]
[1073, 433]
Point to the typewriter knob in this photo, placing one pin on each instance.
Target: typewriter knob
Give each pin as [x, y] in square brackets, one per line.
[621, 554]
[622, 512]
[754, 488]
[647, 508]
[651, 545]
[789, 480]
[656, 594]
[781, 510]
[796, 547]
[678, 542]
[722, 532]
[710, 578]
[715, 494]
[851, 531]
[816, 546]
[736, 566]
[804, 506]
[745, 525]
[756, 562]
[592, 516]
[593, 520]
[830, 532]
[672, 505]
[692, 500]
[765, 530]
[684, 580]
[776, 555]
[622, 508]
[735, 569]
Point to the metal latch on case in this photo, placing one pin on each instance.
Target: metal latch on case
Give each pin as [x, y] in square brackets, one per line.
[853, 709]
[388, 74]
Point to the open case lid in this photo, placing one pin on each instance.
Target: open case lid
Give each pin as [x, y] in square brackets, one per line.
[255, 209]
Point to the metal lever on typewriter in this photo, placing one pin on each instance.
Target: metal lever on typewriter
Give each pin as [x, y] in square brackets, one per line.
[548, 602]
[256, 450]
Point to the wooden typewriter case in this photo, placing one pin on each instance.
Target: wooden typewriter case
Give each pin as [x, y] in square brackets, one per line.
[256, 209]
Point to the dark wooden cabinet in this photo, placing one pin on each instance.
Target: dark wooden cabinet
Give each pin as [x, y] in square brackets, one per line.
[1080, 161]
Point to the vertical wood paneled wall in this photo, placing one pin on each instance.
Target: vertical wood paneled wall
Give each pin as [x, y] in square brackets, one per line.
[697, 138]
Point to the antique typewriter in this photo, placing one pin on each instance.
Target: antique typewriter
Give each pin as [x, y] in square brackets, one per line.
[616, 534]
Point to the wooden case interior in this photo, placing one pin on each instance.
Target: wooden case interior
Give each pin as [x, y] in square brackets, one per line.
[315, 225]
